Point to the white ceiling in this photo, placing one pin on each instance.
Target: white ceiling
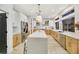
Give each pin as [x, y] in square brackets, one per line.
[47, 10]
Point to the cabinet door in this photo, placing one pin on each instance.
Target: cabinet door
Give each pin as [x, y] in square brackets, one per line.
[49, 32]
[63, 40]
[52, 34]
[74, 46]
[68, 43]
[19, 38]
[58, 37]
[71, 45]
[78, 46]
[46, 32]
[14, 40]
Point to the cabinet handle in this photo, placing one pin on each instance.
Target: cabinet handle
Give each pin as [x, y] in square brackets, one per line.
[5, 31]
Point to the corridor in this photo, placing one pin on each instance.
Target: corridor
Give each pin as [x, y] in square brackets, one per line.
[39, 28]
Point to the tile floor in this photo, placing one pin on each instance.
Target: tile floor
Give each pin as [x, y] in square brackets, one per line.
[53, 48]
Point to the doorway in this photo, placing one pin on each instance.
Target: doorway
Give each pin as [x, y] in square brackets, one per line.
[3, 33]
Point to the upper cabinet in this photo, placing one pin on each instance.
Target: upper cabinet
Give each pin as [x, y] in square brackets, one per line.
[66, 20]
[57, 18]
[68, 13]
[69, 22]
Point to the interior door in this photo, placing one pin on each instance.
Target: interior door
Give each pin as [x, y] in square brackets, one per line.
[3, 33]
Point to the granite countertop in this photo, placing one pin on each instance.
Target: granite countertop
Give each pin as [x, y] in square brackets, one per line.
[71, 34]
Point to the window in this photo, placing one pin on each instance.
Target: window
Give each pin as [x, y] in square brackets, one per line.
[47, 23]
[24, 27]
[68, 25]
[37, 24]
[57, 25]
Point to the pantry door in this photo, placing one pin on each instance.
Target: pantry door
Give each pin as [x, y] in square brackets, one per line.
[3, 33]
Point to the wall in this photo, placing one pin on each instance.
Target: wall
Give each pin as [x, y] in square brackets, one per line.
[9, 8]
[17, 22]
[76, 15]
[30, 29]
[69, 7]
[14, 20]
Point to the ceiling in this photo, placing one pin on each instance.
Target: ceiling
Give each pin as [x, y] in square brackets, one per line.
[47, 10]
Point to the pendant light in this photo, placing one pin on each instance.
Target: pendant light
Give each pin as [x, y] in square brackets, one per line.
[39, 17]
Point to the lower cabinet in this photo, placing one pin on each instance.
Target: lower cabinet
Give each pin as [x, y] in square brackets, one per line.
[46, 31]
[16, 39]
[34, 30]
[71, 45]
[62, 40]
[78, 47]
[55, 35]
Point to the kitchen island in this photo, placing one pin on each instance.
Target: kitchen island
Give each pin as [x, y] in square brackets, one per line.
[37, 43]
